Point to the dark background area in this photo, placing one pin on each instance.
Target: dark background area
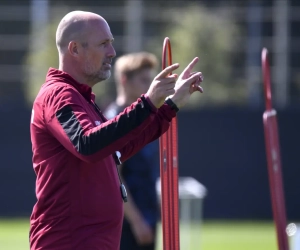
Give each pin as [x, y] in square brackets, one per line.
[222, 149]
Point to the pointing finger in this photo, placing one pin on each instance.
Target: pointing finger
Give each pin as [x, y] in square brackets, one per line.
[168, 70]
[189, 68]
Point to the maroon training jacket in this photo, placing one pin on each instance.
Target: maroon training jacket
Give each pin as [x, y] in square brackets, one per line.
[79, 205]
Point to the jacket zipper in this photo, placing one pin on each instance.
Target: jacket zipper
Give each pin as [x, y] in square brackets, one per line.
[116, 157]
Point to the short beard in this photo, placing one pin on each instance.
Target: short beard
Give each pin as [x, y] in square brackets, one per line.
[94, 76]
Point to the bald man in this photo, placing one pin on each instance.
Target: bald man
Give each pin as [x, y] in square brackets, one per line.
[76, 150]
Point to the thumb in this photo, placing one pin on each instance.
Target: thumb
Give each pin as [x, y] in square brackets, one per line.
[199, 88]
[195, 87]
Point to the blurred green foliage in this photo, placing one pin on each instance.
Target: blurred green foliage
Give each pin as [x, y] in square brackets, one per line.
[212, 35]
[38, 61]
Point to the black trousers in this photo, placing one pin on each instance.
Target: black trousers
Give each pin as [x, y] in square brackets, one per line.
[128, 241]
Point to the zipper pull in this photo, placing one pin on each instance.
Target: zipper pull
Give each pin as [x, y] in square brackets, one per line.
[123, 192]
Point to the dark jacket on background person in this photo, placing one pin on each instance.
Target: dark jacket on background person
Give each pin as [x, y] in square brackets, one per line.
[79, 205]
[140, 173]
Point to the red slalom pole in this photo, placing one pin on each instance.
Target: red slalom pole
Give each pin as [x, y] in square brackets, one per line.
[169, 173]
[273, 157]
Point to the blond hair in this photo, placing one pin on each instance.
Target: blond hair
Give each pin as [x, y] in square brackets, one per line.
[133, 63]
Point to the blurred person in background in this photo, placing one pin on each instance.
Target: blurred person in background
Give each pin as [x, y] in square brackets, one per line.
[133, 74]
[76, 150]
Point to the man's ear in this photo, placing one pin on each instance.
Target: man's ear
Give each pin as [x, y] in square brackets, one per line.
[73, 48]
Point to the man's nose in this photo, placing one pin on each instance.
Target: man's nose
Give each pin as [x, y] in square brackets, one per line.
[111, 52]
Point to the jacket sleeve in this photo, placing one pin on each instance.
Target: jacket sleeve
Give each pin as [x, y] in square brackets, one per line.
[159, 125]
[67, 120]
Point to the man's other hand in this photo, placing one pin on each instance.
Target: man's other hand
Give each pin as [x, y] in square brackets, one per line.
[188, 82]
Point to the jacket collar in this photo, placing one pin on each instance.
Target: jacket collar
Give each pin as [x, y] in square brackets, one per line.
[83, 89]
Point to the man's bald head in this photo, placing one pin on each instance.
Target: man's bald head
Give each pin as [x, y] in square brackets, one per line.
[84, 43]
[75, 26]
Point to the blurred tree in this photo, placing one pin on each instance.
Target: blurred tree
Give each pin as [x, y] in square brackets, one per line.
[38, 60]
[212, 35]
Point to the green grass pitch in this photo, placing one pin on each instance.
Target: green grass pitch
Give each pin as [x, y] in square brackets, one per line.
[210, 235]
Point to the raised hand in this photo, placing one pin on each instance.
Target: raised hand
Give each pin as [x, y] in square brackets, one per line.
[188, 82]
[163, 85]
